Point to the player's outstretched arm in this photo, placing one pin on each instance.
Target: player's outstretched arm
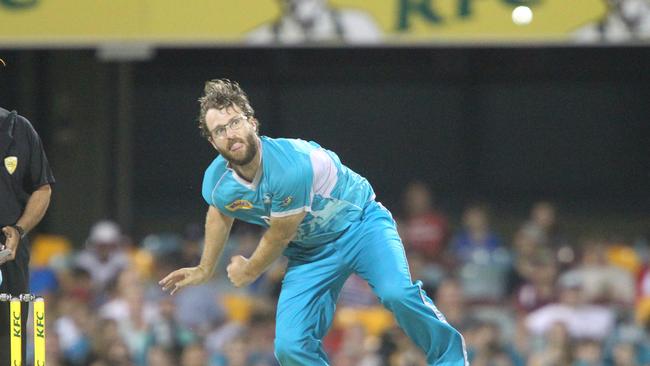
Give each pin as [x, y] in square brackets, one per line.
[217, 229]
[242, 271]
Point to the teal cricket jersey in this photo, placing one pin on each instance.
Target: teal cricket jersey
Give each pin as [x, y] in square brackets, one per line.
[295, 176]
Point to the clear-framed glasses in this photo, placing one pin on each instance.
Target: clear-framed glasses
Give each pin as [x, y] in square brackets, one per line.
[233, 125]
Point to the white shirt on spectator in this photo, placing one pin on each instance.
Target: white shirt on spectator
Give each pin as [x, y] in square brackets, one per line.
[582, 321]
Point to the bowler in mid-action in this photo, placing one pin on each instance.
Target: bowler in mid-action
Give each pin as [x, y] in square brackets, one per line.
[322, 216]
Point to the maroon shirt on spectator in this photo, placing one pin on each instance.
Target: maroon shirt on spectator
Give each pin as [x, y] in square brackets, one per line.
[426, 234]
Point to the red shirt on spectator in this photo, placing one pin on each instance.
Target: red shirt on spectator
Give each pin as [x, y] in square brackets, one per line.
[426, 234]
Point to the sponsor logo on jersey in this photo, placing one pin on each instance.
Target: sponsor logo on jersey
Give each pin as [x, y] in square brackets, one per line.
[239, 205]
[287, 201]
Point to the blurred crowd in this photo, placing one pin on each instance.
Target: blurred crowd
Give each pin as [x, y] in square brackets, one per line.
[534, 297]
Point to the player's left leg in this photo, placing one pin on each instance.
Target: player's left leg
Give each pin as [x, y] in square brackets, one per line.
[306, 307]
[377, 255]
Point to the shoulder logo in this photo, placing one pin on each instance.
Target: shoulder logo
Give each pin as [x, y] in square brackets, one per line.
[287, 201]
[239, 205]
[11, 163]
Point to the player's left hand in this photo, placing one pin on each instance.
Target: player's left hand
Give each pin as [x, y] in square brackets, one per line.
[11, 243]
[238, 272]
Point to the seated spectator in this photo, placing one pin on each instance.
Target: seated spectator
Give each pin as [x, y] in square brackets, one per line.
[529, 252]
[134, 326]
[204, 299]
[352, 349]
[627, 354]
[485, 263]
[235, 353]
[261, 335]
[582, 320]
[539, 288]
[628, 345]
[485, 347]
[118, 354]
[424, 230]
[588, 352]
[555, 347]
[75, 330]
[109, 334]
[429, 273]
[601, 281]
[158, 356]
[165, 332]
[543, 218]
[543, 223]
[396, 349]
[126, 294]
[476, 242]
[450, 300]
[104, 256]
[194, 355]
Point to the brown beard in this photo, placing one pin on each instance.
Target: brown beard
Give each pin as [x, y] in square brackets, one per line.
[251, 150]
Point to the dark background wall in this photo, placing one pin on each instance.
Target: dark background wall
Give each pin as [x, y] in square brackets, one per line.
[505, 125]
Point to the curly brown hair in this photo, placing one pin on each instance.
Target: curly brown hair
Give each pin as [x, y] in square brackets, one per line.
[220, 94]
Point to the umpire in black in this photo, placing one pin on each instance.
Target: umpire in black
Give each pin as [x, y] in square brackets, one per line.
[25, 190]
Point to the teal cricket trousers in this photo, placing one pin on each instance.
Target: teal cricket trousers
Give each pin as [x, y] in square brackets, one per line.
[372, 249]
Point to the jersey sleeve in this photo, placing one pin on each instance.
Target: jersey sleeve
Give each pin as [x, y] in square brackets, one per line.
[40, 172]
[209, 182]
[292, 191]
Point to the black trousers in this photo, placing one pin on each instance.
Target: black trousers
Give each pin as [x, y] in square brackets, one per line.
[15, 281]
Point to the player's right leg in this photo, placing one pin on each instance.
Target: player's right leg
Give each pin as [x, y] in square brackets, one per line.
[306, 308]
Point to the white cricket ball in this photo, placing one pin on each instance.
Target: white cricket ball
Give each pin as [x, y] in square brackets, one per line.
[522, 15]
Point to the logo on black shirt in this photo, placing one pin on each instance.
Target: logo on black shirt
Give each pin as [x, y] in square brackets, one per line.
[11, 162]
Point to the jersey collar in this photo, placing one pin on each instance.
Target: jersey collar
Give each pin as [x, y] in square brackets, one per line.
[258, 175]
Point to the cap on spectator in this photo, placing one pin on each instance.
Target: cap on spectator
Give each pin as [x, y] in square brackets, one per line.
[105, 232]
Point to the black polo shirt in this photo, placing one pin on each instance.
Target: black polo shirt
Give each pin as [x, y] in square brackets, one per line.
[23, 166]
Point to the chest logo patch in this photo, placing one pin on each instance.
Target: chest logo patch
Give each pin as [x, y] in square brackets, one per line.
[11, 163]
[239, 205]
[287, 201]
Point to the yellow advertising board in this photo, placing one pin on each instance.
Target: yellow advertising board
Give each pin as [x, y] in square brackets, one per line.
[24, 22]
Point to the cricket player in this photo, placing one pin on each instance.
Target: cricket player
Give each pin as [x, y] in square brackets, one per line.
[322, 216]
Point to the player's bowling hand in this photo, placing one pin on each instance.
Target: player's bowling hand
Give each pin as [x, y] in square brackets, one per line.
[238, 272]
[184, 277]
